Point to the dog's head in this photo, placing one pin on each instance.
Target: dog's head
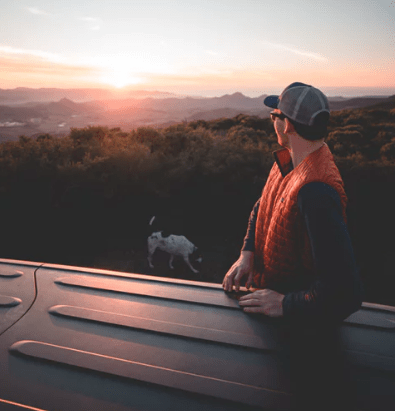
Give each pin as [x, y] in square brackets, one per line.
[154, 227]
[196, 255]
[157, 235]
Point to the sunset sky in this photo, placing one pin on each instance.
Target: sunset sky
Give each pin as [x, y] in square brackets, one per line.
[199, 47]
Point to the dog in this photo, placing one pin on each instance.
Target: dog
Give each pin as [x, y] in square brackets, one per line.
[175, 245]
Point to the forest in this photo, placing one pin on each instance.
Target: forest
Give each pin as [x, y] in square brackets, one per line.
[86, 199]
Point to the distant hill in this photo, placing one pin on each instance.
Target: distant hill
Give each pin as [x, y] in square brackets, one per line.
[25, 95]
[225, 113]
[357, 102]
[53, 117]
[19, 114]
[128, 109]
[63, 107]
[389, 103]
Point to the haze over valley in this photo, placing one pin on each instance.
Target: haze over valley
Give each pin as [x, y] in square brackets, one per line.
[31, 112]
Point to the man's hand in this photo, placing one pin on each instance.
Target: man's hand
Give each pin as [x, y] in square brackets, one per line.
[242, 267]
[265, 301]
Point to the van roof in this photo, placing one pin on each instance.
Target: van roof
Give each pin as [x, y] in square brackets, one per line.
[76, 338]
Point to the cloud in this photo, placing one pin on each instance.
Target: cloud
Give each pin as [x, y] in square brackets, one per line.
[37, 11]
[294, 50]
[32, 70]
[205, 78]
[94, 23]
[16, 52]
[33, 66]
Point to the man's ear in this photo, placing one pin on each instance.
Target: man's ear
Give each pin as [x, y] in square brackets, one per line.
[289, 127]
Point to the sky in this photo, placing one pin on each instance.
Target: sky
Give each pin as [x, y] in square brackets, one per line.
[199, 47]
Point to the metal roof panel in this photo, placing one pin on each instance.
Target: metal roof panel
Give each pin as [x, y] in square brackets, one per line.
[105, 340]
[17, 291]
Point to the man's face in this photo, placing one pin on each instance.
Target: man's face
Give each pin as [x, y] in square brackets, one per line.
[279, 127]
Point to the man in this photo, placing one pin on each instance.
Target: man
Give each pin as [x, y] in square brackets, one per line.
[297, 249]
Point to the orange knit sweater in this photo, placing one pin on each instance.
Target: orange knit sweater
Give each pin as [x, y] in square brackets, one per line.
[282, 248]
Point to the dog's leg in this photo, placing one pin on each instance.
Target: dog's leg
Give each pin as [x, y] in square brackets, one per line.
[151, 250]
[171, 261]
[186, 259]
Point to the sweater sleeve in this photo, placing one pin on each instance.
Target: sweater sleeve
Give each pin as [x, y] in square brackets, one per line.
[249, 239]
[337, 292]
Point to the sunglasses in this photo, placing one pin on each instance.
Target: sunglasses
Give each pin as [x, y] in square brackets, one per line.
[274, 114]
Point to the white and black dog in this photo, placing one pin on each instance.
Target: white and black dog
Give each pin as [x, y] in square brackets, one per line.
[175, 245]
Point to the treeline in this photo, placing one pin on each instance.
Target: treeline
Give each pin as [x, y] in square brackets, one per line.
[89, 196]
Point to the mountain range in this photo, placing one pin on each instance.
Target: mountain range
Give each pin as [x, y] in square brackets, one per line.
[31, 112]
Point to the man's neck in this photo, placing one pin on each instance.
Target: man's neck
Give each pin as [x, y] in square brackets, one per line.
[300, 148]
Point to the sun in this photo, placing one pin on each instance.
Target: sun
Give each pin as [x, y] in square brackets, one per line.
[122, 70]
[119, 77]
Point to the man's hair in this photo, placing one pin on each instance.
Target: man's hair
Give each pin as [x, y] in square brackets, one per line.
[317, 131]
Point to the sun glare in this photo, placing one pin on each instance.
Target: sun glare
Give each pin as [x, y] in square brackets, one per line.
[124, 70]
[119, 77]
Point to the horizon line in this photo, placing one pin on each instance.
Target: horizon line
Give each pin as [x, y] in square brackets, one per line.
[330, 91]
